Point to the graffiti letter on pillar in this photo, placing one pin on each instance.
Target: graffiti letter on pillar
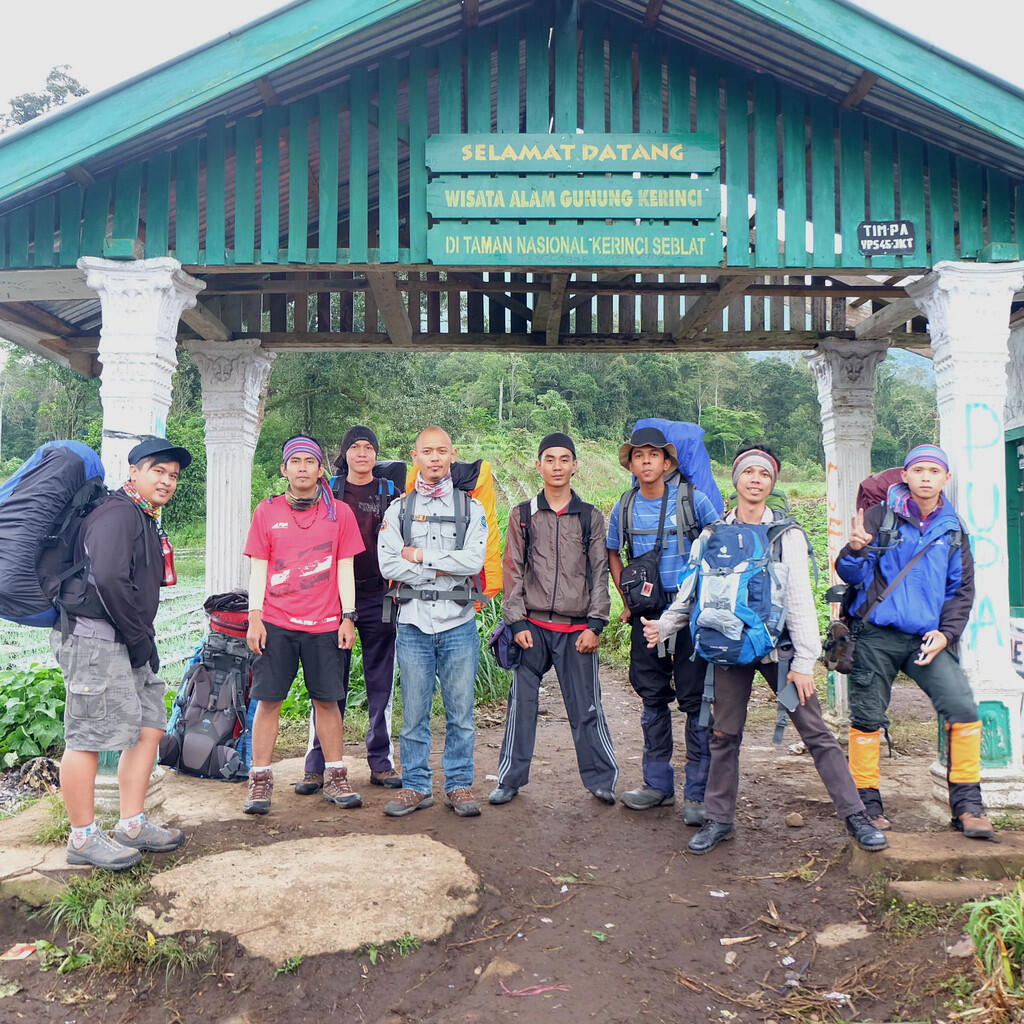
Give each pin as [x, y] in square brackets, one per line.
[984, 618]
[982, 526]
[984, 429]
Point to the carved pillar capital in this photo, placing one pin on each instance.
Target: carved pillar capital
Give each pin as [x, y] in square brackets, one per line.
[1014, 413]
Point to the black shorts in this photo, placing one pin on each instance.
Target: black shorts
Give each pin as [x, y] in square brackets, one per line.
[324, 665]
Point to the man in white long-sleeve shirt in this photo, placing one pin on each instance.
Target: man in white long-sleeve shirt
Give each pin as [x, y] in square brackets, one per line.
[754, 473]
[432, 543]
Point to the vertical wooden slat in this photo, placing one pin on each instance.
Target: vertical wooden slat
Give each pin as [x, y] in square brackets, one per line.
[245, 190]
[186, 202]
[94, 228]
[585, 313]
[449, 114]
[346, 303]
[737, 173]
[359, 147]
[940, 206]
[387, 159]
[327, 214]
[708, 101]
[882, 192]
[757, 311]
[794, 178]
[252, 309]
[537, 71]
[593, 71]
[478, 119]
[678, 62]
[972, 236]
[566, 62]
[851, 185]
[650, 118]
[415, 302]
[766, 173]
[18, 225]
[298, 181]
[278, 312]
[912, 193]
[620, 118]
[508, 77]
[418, 125]
[433, 307]
[216, 216]
[370, 306]
[1000, 223]
[777, 307]
[43, 224]
[231, 312]
[270, 187]
[823, 183]
[71, 224]
[127, 188]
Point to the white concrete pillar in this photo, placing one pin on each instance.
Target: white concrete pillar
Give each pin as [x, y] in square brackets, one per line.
[845, 372]
[141, 301]
[234, 377]
[968, 310]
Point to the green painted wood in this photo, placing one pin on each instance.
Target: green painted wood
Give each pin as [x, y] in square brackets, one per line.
[969, 190]
[158, 193]
[794, 178]
[44, 219]
[1018, 209]
[478, 120]
[94, 221]
[882, 191]
[449, 86]
[120, 248]
[127, 191]
[477, 153]
[270, 184]
[620, 82]
[650, 112]
[940, 192]
[823, 182]
[216, 216]
[246, 131]
[508, 77]
[912, 207]
[298, 180]
[358, 153]
[566, 56]
[766, 173]
[999, 252]
[418, 127]
[3, 242]
[18, 234]
[387, 159]
[613, 197]
[708, 113]
[998, 203]
[186, 202]
[593, 70]
[677, 60]
[600, 245]
[737, 174]
[328, 104]
[851, 185]
[70, 224]
[537, 71]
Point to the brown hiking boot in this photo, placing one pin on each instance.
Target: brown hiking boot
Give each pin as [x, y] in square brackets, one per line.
[882, 823]
[261, 786]
[389, 778]
[462, 802]
[406, 801]
[337, 789]
[312, 782]
[974, 826]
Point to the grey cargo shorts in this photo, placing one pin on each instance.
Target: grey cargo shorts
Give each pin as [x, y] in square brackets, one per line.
[108, 702]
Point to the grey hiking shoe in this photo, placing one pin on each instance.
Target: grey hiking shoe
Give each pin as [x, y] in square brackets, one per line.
[100, 851]
[644, 798]
[152, 838]
[337, 789]
[261, 787]
[693, 813]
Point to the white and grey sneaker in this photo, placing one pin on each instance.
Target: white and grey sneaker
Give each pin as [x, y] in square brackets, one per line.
[100, 851]
[152, 838]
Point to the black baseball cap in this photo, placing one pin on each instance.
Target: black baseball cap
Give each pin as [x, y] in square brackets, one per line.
[149, 446]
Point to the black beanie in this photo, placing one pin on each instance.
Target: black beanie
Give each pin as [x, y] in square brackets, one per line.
[556, 440]
[354, 434]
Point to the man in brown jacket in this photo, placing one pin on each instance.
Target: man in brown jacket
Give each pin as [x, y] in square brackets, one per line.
[556, 603]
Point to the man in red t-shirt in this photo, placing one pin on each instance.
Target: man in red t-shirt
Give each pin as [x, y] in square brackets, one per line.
[301, 608]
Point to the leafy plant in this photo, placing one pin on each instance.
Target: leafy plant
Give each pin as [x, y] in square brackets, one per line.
[65, 960]
[290, 966]
[372, 951]
[996, 926]
[406, 944]
[31, 713]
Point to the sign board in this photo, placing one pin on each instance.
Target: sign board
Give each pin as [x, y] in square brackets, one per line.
[574, 200]
[886, 238]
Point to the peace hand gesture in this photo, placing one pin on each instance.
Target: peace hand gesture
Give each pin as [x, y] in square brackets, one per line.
[859, 537]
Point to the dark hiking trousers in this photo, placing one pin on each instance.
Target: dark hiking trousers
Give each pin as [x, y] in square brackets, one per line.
[581, 691]
[658, 679]
[377, 640]
[732, 692]
[881, 653]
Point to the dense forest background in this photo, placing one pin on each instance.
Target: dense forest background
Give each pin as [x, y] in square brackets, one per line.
[489, 402]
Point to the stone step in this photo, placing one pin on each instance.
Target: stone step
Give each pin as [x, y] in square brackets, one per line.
[943, 855]
[957, 891]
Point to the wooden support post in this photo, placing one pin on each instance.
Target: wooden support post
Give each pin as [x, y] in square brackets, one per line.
[556, 301]
[699, 316]
[206, 323]
[391, 307]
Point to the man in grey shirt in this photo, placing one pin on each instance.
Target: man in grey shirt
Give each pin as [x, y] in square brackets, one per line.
[432, 544]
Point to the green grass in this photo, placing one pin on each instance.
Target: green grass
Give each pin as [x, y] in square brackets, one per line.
[996, 926]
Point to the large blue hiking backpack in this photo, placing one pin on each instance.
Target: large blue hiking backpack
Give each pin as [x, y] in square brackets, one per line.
[42, 508]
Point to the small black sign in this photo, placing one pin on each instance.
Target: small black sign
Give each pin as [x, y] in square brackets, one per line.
[886, 238]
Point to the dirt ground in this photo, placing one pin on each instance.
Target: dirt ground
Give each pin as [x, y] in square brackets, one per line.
[587, 912]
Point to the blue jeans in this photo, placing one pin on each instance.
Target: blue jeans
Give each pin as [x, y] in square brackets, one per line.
[424, 659]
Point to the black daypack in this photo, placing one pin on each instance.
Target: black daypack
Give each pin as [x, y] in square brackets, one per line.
[390, 477]
[640, 580]
[209, 734]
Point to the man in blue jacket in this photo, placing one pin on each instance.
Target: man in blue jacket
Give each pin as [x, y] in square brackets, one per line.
[915, 588]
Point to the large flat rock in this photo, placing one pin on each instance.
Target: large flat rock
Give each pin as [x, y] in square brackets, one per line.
[322, 895]
[29, 872]
[942, 855]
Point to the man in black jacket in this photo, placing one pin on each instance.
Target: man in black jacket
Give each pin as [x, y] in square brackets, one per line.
[115, 700]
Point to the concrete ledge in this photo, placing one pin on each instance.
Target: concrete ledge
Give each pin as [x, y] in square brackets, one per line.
[28, 872]
[943, 855]
[955, 891]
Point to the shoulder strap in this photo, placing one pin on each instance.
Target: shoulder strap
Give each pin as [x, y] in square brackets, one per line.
[526, 510]
[406, 512]
[461, 522]
[686, 512]
[626, 503]
[337, 486]
[870, 606]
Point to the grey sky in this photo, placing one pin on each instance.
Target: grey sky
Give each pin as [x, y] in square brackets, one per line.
[106, 41]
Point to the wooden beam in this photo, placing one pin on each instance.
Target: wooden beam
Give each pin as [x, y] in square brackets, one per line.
[555, 305]
[81, 360]
[206, 323]
[27, 315]
[886, 285]
[391, 307]
[880, 324]
[860, 89]
[267, 92]
[80, 174]
[652, 13]
[703, 311]
[470, 13]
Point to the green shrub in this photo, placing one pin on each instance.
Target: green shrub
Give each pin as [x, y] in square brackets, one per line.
[31, 713]
[996, 926]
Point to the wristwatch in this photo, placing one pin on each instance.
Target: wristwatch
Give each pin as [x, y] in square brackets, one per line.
[351, 616]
